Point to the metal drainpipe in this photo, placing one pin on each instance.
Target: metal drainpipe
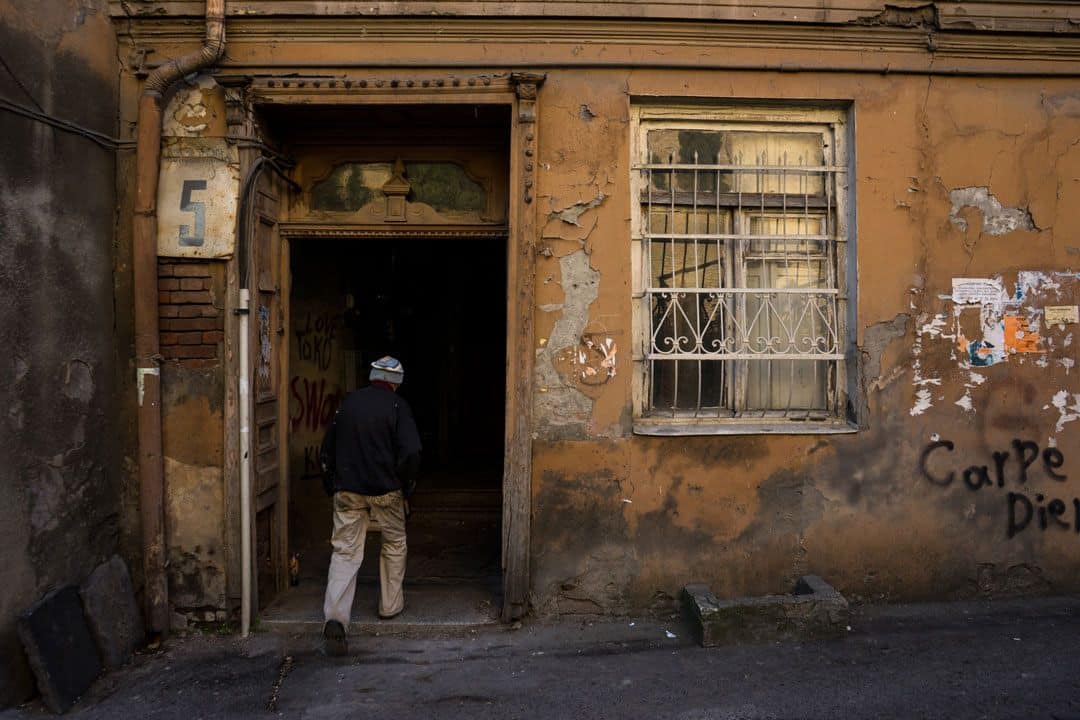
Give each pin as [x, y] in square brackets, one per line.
[144, 280]
[245, 468]
[244, 258]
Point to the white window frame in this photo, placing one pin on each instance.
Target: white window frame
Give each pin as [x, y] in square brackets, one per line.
[747, 116]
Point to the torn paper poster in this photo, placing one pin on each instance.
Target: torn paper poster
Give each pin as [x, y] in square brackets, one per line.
[1061, 314]
[1019, 337]
[1035, 281]
[991, 347]
[1010, 324]
[924, 399]
[965, 402]
[981, 353]
[1066, 413]
[977, 291]
[596, 356]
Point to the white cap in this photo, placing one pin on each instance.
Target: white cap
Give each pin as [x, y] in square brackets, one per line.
[387, 369]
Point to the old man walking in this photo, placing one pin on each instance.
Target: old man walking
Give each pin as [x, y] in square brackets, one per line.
[372, 452]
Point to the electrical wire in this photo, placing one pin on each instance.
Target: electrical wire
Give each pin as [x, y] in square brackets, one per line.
[105, 141]
[15, 78]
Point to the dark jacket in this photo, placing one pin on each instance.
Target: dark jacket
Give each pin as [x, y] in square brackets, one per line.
[372, 447]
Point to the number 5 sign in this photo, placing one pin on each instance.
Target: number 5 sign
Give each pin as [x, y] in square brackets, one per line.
[188, 238]
[197, 207]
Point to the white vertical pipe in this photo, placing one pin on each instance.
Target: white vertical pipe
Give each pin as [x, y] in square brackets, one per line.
[245, 470]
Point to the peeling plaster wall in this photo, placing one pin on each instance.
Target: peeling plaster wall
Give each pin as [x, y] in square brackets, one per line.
[562, 406]
[193, 437]
[60, 458]
[955, 179]
[581, 321]
[193, 386]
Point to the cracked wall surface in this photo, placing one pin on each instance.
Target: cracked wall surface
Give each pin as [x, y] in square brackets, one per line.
[997, 219]
[561, 407]
[60, 457]
[193, 386]
[955, 179]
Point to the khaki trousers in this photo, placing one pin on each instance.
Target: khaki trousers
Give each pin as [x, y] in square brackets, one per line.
[352, 515]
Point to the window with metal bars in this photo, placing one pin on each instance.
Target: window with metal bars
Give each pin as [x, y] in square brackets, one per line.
[741, 276]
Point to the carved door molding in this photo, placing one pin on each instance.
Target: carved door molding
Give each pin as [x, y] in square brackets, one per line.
[521, 277]
[520, 91]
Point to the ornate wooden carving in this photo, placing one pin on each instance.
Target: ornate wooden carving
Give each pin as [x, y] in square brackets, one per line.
[395, 189]
[526, 86]
[340, 230]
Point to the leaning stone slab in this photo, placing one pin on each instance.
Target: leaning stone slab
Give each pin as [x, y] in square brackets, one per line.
[111, 611]
[61, 651]
[813, 610]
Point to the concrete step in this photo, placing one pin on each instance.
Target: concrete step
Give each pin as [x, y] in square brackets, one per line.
[435, 606]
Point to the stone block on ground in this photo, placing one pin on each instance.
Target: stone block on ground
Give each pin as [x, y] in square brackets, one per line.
[814, 610]
[60, 648]
[111, 612]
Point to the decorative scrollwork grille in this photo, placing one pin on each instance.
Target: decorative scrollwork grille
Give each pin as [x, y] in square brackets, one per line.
[742, 288]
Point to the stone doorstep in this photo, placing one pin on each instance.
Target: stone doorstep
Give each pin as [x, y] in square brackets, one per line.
[813, 610]
[372, 628]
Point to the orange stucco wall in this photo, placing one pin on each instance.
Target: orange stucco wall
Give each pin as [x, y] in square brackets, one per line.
[956, 176]
[621, 520]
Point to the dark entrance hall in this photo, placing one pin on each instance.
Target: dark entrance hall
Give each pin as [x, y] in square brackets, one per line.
[439, 306]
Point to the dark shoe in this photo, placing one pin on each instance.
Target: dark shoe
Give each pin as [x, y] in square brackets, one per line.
[334, 635]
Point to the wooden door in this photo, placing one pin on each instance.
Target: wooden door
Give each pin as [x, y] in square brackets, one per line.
[269, 477]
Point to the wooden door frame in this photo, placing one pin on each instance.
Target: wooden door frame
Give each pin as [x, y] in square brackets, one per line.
[520, 346]
[518, 91]
[279, 530]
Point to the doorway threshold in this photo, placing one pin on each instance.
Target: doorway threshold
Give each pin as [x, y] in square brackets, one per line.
[428, 606]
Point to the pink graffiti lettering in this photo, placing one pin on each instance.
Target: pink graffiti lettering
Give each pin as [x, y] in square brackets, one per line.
[314, 406]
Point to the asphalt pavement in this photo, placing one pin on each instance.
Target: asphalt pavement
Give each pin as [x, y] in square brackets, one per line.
[1000, 659]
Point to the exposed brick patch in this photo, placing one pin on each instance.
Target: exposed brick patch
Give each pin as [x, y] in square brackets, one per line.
[191, 269]
[191, 311]
[182, 352]
[190, 298]
[191, 321]
[191, 324]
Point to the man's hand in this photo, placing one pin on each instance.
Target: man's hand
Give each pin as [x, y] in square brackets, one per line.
[408, 509]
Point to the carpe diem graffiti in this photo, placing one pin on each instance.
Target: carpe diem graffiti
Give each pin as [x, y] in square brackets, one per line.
[1022, 508]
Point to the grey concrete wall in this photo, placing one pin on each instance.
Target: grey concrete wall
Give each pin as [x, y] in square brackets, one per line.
[59, 469]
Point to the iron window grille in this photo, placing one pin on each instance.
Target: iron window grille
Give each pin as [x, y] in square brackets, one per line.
[741, 271]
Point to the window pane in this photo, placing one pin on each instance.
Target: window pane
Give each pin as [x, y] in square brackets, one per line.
[788, 322]
[688, 322]
[783, 151]
[747, 303]
[351, 186]
[787, 385]
[778, 149]
[687, 263]
[682, 386]
[788, 235]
